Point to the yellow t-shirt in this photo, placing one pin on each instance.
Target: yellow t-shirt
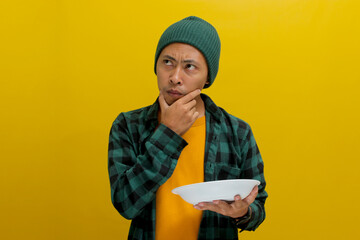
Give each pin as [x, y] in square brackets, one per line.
[175, 218]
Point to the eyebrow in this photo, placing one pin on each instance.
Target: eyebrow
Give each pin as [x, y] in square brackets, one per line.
[170, 57]
[184, 61]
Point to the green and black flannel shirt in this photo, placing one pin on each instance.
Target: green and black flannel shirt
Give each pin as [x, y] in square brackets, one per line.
[144, 154]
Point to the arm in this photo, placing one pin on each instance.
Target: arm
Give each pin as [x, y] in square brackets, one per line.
[135, 178]
[251, 168]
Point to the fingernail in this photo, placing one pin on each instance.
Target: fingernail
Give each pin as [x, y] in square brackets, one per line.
[196, 207]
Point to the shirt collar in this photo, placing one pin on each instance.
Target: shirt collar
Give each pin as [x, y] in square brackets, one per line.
[211, 107]
[153, 111]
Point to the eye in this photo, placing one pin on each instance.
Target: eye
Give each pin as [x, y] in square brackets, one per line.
[190, 66]
[167, 62]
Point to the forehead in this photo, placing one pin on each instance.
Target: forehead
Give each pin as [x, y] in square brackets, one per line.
[183, 50]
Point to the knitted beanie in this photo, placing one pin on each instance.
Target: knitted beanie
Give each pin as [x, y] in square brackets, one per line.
[197, 33]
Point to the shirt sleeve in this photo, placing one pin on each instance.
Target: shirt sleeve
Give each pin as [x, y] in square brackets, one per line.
[253, 168]
[135, 178]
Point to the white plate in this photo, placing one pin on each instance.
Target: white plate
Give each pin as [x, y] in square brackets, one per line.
[216, 190]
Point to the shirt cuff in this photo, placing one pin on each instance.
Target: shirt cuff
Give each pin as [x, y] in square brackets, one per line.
[168, 141]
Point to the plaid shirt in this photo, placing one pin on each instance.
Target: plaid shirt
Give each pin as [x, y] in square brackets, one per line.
[143, 155]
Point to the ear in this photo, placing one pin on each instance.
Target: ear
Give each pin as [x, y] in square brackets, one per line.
[206, 83]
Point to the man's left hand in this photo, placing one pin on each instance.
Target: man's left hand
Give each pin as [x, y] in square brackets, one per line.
[236, 209]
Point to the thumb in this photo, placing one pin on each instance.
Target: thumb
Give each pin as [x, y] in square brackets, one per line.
[251, 197]
[162, 102]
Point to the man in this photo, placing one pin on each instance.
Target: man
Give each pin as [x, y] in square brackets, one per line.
[184, 138]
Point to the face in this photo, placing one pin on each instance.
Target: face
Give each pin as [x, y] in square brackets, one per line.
[181, 69]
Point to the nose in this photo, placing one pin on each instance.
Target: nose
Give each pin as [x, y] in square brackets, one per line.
[175, 77]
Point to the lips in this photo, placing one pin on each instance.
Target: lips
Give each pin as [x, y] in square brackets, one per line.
[174, 92]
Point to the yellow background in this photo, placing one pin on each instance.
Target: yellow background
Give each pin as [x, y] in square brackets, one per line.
[68, 68]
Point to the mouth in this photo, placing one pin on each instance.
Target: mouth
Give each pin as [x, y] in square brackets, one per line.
[174, 93]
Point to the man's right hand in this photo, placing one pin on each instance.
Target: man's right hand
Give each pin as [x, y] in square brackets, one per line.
[181, 115]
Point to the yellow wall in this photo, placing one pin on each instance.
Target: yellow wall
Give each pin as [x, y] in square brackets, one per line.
[68, 68]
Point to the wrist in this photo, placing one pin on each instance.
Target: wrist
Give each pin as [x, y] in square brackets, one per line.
[243, 213]
[245, 218]
[170, 127]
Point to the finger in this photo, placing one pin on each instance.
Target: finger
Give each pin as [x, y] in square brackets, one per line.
[190, 96]
[207, 206]
[162, 102]
[200, 206]
[217, 206]
[251, 198]
[225, 208]
[238, 202]
[192, 111]
[190, 104]
[194, 114]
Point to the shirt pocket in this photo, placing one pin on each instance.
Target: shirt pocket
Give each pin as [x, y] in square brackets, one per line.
[224, 172]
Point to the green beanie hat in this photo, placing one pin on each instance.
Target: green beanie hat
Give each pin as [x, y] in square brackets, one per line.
[197, 33]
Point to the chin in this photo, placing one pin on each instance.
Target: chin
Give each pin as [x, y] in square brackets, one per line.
[169, 101]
